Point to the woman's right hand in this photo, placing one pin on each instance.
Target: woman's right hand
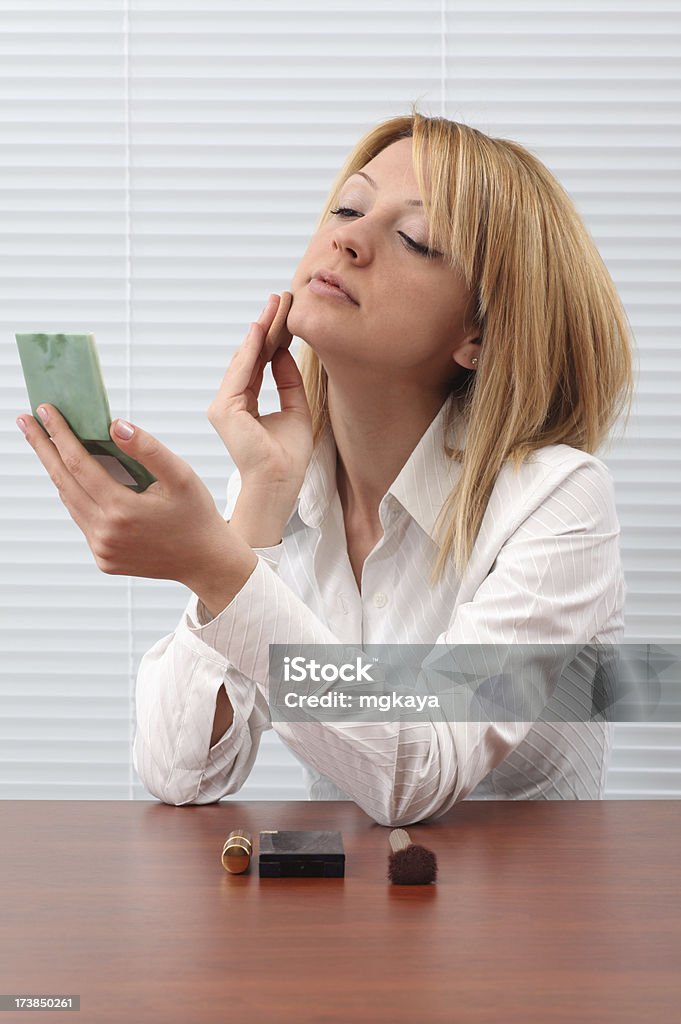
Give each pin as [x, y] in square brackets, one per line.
[271, 452]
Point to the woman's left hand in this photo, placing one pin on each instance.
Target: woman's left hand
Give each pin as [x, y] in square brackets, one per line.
[173, 530]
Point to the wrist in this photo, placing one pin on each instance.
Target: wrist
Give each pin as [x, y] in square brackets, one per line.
[225, 571]
[259, 516]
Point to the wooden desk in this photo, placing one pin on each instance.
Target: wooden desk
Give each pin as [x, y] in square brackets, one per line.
[546, 912]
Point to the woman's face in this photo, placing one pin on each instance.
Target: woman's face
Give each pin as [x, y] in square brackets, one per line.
[409, 307]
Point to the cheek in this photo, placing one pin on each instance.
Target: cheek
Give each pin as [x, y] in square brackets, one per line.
[435, 305]
[410, 299]
[297, 281]
[424, 329]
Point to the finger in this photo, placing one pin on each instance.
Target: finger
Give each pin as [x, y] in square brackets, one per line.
[279, 335]
[170, 470]
[79, 504]
[85, 470]
[244, 373]
[255, 383]
[272, 319]
[292, 397]
[270, 311]
[261, 328]
[267, 319]
[244, 366]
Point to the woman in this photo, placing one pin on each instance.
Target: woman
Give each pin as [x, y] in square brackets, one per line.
[429, 480]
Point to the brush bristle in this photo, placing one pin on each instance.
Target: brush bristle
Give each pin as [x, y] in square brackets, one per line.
[413, 866]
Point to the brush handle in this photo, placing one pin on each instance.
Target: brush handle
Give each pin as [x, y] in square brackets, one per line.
[399, 840]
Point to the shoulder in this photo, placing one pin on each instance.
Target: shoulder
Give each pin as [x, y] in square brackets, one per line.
[575, 488]
[559, 496]
[555, 462]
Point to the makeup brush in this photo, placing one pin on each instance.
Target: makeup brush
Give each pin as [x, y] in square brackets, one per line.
[410, 864]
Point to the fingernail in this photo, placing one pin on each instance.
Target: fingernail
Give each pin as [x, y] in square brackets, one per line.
[44, 414]
[22, 425]
[124, 429]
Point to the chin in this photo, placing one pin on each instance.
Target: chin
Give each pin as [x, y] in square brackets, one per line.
[319, 323]
[308, 325]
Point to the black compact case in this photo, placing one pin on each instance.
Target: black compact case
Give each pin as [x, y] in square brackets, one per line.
[301, 855]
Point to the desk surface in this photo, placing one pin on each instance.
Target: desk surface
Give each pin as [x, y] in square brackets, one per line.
[543, 911]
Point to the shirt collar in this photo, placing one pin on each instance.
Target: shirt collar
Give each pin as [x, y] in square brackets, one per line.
[422, 486]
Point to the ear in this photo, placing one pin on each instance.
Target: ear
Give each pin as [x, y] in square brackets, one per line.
[466, 351]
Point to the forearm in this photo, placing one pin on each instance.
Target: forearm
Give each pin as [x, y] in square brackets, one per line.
[259, 517]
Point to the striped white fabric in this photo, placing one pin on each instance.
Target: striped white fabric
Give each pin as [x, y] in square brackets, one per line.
[545, 569]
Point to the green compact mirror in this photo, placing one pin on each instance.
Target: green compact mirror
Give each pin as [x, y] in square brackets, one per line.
[63, 370]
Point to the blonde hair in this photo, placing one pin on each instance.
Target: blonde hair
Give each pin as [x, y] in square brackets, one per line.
[555, 362]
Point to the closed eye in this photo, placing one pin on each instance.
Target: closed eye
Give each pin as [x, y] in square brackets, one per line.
[423, 249]
[345, 211]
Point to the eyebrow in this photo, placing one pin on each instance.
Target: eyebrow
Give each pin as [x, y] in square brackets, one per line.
[408, 202]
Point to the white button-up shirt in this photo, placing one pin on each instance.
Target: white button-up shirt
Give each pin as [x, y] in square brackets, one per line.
[545, 569]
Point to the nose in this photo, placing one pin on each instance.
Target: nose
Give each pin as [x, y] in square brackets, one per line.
[344, 247]
[349, 239]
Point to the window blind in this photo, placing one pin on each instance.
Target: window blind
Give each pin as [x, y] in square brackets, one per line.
[162, 166]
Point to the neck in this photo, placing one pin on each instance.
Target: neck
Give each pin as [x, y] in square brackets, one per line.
[375, 431]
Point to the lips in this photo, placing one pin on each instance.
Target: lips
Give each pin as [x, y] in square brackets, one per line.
[336, 281]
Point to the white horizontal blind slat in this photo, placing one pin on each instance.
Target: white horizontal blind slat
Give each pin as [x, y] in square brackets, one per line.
[207, 168]
[64, 678]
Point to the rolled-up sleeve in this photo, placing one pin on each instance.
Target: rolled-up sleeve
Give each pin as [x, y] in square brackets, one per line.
[178, 681]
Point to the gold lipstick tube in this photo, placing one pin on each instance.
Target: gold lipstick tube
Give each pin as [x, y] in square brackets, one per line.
[236, 853]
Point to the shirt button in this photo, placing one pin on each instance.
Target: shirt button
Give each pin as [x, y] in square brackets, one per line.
[380, 600]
